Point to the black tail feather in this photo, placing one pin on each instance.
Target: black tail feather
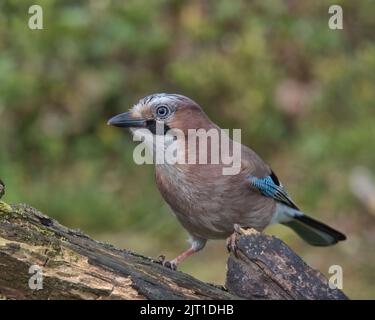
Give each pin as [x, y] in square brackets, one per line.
[314, 232]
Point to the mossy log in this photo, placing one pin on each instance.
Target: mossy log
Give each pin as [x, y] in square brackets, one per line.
[74, 266]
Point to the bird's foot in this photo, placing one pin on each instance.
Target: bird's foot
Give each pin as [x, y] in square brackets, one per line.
[231, 243]
[232, 239]
[170, 264]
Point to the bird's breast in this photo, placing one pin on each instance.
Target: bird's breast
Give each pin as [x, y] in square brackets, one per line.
[207, 203]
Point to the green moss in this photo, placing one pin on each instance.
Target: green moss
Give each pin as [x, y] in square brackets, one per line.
[5, 208]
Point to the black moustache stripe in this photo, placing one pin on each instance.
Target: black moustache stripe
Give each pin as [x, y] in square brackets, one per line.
[151, 125]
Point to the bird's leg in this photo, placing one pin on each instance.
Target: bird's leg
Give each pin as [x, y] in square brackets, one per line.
[197, 244]
[172, 264]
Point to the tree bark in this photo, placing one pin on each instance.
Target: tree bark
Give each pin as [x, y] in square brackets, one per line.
[74, 266]
[264, 267]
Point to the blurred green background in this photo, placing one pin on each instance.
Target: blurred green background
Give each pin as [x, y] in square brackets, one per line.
[303, 95]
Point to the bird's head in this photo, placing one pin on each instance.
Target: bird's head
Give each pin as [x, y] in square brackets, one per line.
[173, 111]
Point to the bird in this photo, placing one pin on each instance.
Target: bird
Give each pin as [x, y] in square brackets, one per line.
[207, 203]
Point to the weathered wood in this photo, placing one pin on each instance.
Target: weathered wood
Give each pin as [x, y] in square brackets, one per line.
[74, 266]
[264, 267]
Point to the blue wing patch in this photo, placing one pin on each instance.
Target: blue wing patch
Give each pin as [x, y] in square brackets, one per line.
[271, 187]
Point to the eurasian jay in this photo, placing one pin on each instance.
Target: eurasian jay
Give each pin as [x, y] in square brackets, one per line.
[207, 203]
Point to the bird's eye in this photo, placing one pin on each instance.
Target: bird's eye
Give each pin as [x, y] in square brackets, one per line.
[162, 111]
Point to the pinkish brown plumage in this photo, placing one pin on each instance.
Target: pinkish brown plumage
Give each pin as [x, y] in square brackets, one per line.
[206, 202]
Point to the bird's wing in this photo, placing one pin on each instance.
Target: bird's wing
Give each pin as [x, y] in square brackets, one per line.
[263, 179]
[270, 186]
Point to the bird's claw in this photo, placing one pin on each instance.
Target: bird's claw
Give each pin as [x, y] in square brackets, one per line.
[170, 264]
[232, 239]
[244, 231]
[238, 232]
[231, 243]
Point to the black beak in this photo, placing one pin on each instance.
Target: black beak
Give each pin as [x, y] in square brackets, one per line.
[125, 120]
